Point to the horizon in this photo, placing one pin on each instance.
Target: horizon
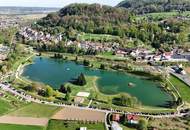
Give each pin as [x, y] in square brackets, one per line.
[53, 3]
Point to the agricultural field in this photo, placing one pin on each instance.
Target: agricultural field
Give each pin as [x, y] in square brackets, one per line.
[19, 127]
[9, 103]
[78, 114]
[164, 15]
[35, 110]
[170, 123]
[73, 125]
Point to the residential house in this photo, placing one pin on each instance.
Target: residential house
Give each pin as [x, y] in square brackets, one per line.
[83, 128]
[115, 126]
[132, 119]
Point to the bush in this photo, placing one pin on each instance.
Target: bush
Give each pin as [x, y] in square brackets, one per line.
[86, 63]
[102, 66]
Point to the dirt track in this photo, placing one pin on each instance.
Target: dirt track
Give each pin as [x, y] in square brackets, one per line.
[24, 120]
[78, 114]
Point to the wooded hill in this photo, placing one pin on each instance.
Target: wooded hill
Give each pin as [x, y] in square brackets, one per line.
[96, 19]
[88, 18]
[151, 6]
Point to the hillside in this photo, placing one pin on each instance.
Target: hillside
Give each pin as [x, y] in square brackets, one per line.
[76, 19]
[87, 18]
[152, 6]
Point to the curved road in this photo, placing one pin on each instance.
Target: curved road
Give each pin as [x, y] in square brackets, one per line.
[29, 98]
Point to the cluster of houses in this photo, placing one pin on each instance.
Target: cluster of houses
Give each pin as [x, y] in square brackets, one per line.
[102, 47]
[141, 54]
[3, 52]
[34, 35]
[148, 55]
[129, 118]
[9, 21]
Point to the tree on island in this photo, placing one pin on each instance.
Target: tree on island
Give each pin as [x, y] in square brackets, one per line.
[64, 89]
[67, 96]
[81, 80]
[69, 89]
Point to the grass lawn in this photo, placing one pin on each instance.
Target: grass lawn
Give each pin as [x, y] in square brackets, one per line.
[4, 107]
[35, 110]
[90, 87]
[96, 37]
[127, 128]
[19, 127]
[166, 14]
[68, 125]
[109, 55]
[9, 103]
[183, 89]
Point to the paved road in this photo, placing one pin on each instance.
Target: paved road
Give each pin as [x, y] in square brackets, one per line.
[29, 98]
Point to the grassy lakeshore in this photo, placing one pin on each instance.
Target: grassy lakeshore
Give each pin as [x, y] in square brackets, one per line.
[183, 89]
[102, 100]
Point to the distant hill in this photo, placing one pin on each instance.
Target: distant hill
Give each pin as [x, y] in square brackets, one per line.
[87, 18]
[151, 6]
[26, 10]
[73, 20]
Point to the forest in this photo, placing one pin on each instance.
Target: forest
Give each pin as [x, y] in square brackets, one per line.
[152, 6]
[97, 19]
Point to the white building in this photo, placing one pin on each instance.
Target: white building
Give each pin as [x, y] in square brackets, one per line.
[83, 128]
[115, 126]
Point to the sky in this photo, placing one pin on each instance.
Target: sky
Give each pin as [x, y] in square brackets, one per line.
[53, 3]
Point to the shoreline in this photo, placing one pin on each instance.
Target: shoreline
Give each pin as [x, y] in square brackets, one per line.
[20, 70]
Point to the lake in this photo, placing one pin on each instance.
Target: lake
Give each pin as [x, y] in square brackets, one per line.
[56, 72]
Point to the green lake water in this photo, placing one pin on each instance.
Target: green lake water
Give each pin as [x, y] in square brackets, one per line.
[56, 72]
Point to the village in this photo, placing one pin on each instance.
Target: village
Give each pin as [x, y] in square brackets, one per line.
[4, 50]
[9, 21]
[139, 54]
[92, 78]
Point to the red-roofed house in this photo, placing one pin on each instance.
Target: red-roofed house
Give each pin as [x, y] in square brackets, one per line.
[132, 119]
